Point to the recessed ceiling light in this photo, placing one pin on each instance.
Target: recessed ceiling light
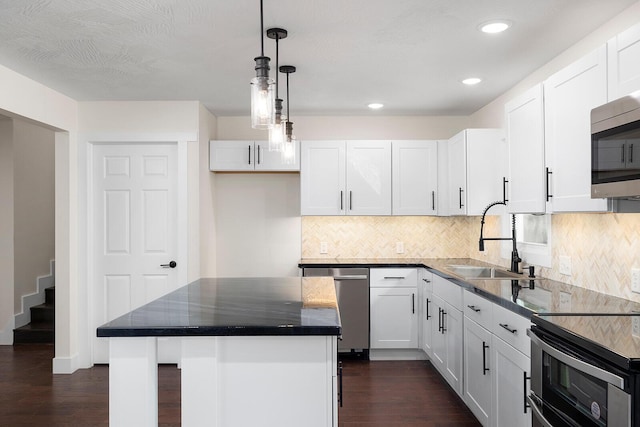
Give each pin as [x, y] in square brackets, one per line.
[375, 105]
[493, 27]
[471, 81]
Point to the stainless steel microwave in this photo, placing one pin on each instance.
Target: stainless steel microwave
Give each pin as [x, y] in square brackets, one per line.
[615, 148]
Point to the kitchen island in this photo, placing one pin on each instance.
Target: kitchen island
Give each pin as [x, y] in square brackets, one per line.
[255, 351]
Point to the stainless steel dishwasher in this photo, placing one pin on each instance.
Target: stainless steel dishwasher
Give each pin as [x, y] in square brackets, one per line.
[352, 290]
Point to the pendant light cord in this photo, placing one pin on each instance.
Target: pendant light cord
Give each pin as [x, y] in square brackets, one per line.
[277, 69]
[288, 116]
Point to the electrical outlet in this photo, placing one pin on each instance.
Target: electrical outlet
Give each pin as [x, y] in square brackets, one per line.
[635, 326]
[565, 301]
[399, 247]
[565, 265]
[323, 248]
[635, 280]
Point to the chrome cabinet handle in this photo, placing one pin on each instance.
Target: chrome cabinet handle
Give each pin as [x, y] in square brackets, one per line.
[506, 326]
[474, 308]
[484, 358]
[172, 264]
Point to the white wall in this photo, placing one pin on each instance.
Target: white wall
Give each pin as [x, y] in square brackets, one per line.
[6, 231]
[34, 205]
[208, 129]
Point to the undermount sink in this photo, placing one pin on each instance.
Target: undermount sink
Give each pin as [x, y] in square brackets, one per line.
[484, 273]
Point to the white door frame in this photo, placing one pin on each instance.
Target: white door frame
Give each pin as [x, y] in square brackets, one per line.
[182, 213]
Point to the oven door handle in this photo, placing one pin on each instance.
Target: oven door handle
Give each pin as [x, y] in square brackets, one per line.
[577, 363]
[535, 410]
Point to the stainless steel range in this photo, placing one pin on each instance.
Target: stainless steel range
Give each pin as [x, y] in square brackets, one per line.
[585, 371]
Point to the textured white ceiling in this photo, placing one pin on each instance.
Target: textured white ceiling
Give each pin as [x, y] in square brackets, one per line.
[408, 54]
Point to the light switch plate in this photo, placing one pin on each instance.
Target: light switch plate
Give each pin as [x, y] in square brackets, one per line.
[635, 326]
[400, 247]
[323, 248]
[635, 280]
[565, 265]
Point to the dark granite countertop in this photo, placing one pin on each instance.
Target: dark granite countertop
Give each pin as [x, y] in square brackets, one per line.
[234, 307]
[545, 296]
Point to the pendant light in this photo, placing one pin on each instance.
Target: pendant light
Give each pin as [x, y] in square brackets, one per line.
[289, 145]
[276, 133]
[262, 88]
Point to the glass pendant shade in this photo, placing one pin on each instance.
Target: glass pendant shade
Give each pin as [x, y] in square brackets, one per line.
[262, 102]
[277, 135]
[288, 155]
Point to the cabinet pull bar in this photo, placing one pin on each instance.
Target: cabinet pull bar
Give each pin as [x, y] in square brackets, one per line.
[341, 200]
[622, 151]
[630, 153]
[258, 150]
[340, 385]
[413, 303]
[433, 200]
[484, 358]
[474, 308]
[506, 326]
[504, 189]
[460, 197]
[548, 178]
[439, 319]
[444, 329]
[350, 200]
[524, 390]
[426, 280]
[249, 154]
[394, 277]
[427, 306]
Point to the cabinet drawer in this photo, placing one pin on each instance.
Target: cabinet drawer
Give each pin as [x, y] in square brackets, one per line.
[511, 328]
[448, 291]
[393, 278]
[478, 309]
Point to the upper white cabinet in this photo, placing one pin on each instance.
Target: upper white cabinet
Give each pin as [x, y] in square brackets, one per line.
[477, 160]
[248, 156]
[624, 63]
[525, 135]
[569, 96]
[345, 178]
[415, 177]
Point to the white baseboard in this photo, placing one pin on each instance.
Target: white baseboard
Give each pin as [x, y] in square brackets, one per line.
[65, 365]
[36, 298]
[6, 334]
[397, 354]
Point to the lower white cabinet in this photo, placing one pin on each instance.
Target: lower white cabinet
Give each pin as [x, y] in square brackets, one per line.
[478, 371]
[425, 292]
[447, 342]
[511, 372]
[394, 308]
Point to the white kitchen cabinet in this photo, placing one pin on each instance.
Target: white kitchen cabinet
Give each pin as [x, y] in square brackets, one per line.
[525, 135]
[425, 291]
[345, 178]
[415, 177]
[394, 308]
[477, 160]
[569, 96]
[447, 331]
[248, 156]
[478, 370]
[623, 52]
[511, 383]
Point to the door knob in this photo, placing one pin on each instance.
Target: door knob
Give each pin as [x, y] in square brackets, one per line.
[172, 264]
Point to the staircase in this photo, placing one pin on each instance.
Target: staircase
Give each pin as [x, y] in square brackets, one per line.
[41, 329]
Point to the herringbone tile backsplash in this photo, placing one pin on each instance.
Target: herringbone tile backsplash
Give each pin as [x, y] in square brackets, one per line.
[603, 247]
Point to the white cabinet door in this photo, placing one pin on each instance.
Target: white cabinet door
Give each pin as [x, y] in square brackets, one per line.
[477, 168]
[394, 318]
[415, 177]
[458, 174]
[569, 96]
[426, 312]
[623, 53]
[477, 370]
[231, 155]
[525, 136]
[368, 178]
[511, 370]
[265, 160]
[447, 342]
[322, 177]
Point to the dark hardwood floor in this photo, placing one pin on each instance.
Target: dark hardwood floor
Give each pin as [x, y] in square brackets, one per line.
[389, 394]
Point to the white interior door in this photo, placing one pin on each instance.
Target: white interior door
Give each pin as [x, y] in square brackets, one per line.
[135, 223]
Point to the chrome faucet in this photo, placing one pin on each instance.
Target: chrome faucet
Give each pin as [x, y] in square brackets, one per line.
[515, 258]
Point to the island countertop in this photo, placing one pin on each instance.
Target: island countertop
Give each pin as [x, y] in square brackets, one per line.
[236, 307]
